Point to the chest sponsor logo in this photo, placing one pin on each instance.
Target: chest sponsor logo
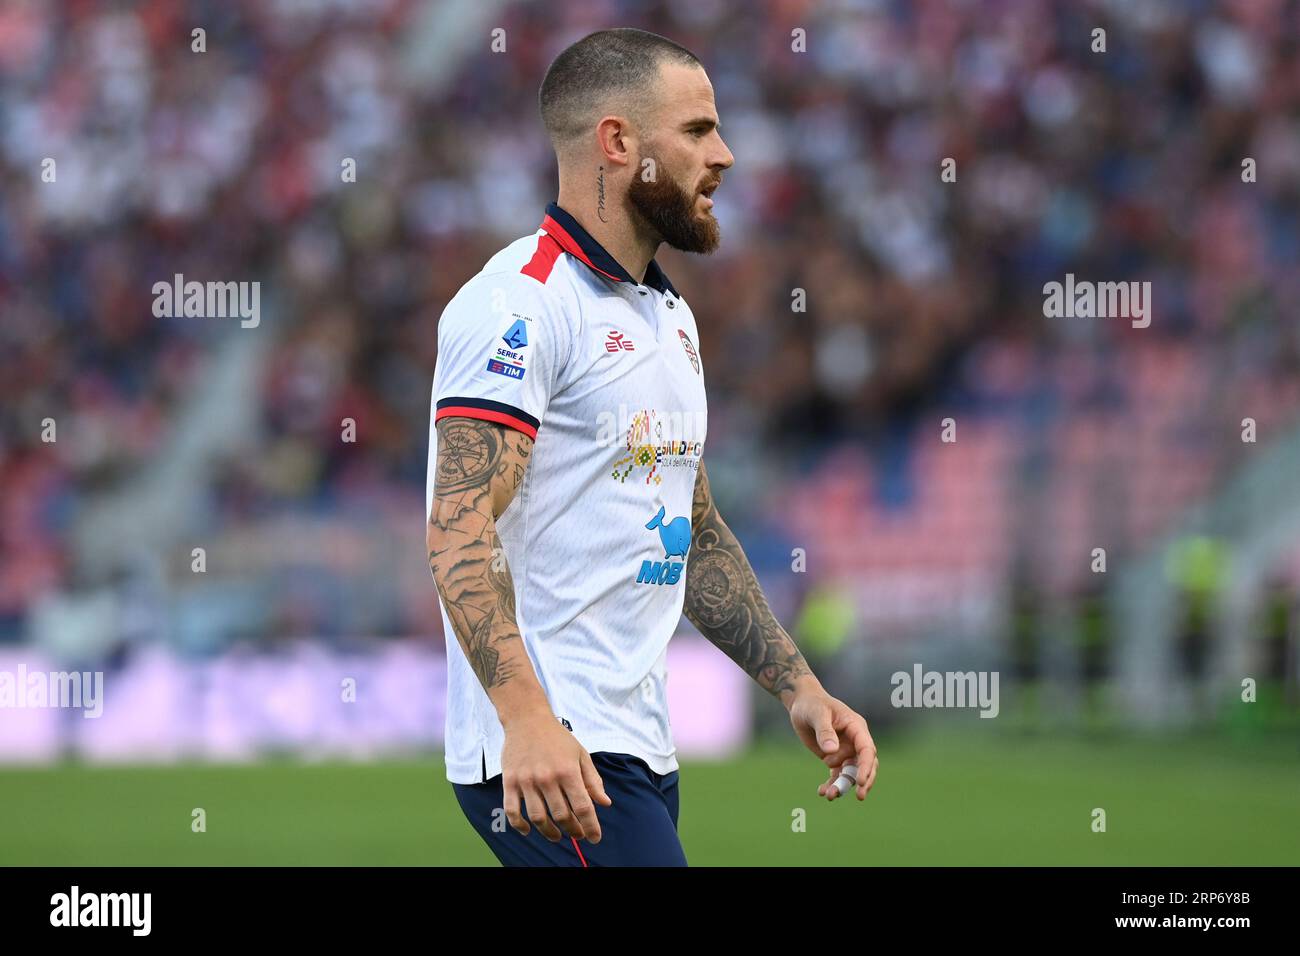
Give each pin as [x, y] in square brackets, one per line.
[653, 442]
[675, 536]
[618, 342]
[691, 354]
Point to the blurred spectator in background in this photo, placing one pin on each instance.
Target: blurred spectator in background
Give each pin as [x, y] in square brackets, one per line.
[859, 298]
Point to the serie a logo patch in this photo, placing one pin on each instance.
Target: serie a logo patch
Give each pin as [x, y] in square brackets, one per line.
[517, 335]
[510, 362]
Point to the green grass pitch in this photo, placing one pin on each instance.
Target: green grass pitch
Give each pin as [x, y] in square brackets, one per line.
[941, 800]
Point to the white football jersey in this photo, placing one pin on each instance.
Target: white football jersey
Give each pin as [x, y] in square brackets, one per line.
[556, 340]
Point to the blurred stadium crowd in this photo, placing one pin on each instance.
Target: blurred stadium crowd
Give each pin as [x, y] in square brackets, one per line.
[923, 298]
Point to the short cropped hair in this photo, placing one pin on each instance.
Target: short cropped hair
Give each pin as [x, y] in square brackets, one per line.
[610, 65]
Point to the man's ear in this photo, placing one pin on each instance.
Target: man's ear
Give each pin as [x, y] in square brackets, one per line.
[617, 140]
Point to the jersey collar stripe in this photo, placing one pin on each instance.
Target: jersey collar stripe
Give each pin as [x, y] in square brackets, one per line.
[569, 245]
[579, 243]
[488, 410]
[543, 260]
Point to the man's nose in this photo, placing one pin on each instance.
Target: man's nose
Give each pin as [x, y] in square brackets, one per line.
[723, 160]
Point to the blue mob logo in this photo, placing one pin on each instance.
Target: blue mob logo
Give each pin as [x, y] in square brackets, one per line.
[675, 536]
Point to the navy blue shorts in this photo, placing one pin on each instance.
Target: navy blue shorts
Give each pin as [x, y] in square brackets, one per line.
[639, 829]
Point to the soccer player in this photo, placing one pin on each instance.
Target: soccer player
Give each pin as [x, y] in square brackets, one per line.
[570, 521]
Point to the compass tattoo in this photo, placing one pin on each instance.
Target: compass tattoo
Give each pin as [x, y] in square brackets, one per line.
[480, 467]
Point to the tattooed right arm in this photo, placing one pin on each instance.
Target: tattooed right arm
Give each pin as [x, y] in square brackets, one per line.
[480, 467]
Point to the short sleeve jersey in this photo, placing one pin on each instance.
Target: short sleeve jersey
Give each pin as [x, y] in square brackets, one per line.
[554, 339]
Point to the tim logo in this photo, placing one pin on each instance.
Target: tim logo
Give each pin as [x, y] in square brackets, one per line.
[501, 368]
[616, 341]
[675, 536]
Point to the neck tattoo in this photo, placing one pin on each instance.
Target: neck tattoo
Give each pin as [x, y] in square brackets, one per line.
[600, 195]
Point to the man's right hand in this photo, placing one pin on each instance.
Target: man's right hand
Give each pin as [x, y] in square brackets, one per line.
[544, 768]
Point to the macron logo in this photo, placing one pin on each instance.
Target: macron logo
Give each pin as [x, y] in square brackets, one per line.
[102, 909]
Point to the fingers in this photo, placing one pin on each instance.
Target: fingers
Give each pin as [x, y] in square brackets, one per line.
[511, 804]
[842, 751]
[843, 754]
[829, 786]
[867, 762]
[849, 771]
[858, 749]
[560, 811]
[557, 802]
[537, 814]
[591, 778]
[866, 783]
[826, 736]
[584, 811]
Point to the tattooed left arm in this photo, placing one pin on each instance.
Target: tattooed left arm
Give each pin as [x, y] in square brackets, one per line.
[726, 604]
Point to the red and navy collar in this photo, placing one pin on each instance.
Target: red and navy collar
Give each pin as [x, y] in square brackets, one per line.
[577, 242]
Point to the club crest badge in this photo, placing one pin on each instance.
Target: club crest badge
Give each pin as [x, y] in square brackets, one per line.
[690, 350]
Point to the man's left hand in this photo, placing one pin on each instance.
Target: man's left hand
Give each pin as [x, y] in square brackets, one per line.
[836, 734]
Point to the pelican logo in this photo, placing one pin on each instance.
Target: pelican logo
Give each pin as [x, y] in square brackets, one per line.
[690, 350]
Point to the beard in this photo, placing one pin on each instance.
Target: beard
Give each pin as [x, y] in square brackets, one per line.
[670, 211]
